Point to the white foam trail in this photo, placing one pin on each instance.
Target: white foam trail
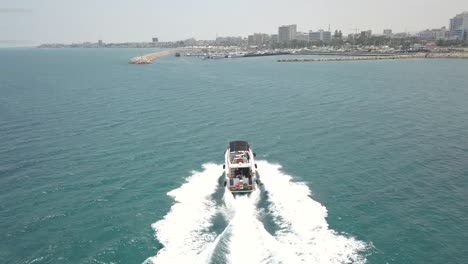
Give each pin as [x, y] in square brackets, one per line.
[184, 231]
[303, 226]
[249, 241]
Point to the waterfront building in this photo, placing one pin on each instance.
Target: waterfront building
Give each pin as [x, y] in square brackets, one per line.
[441, 34]
[366, 34]
[321, 35]
[400, 35]
[459, 27]
[433, 34]
[457, 34]
[302, 36]
[326, 36]
[155, 40]
[260, 38]
[274, 38]
[250, 40]
[426, 35]
[229, 41]
[287, 33]
[100, 43]
[314, 36]
[387, 33]
[205, 42]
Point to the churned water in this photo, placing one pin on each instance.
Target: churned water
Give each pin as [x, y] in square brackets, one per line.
[105, 162]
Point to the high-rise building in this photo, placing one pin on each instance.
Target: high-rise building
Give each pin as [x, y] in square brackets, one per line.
[321, 35]
[287, 33]
[100, 43]
[155, 40]
[459, 27]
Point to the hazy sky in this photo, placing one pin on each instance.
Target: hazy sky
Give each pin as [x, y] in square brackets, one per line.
[66, 21]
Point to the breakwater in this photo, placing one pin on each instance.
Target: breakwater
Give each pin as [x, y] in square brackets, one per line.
[384, 57]
[264, 54]
[148, 58]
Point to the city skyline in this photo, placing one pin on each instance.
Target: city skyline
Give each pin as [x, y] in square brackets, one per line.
[50, 21]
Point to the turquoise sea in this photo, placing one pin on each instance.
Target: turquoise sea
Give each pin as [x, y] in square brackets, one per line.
[106, 162]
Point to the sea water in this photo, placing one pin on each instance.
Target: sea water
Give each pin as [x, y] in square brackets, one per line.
[106, 162]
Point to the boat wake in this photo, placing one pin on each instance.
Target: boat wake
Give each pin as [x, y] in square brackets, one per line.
[249, 242]
[302, 236]
[302, 221]
[184, 231]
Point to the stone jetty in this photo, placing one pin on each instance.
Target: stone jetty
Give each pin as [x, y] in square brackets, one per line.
[460, 55]
[148, 58]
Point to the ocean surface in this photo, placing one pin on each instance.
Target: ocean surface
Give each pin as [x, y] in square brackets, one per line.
[106, 162]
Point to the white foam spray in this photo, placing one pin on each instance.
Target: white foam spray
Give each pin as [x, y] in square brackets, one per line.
[249, 242]
[184, 231]
[302, 221]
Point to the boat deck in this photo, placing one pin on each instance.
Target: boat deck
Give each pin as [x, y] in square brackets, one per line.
[239, 157]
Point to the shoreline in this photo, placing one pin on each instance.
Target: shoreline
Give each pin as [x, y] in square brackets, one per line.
[345, 56]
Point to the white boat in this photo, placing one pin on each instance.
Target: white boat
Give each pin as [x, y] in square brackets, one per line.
[240, 167]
